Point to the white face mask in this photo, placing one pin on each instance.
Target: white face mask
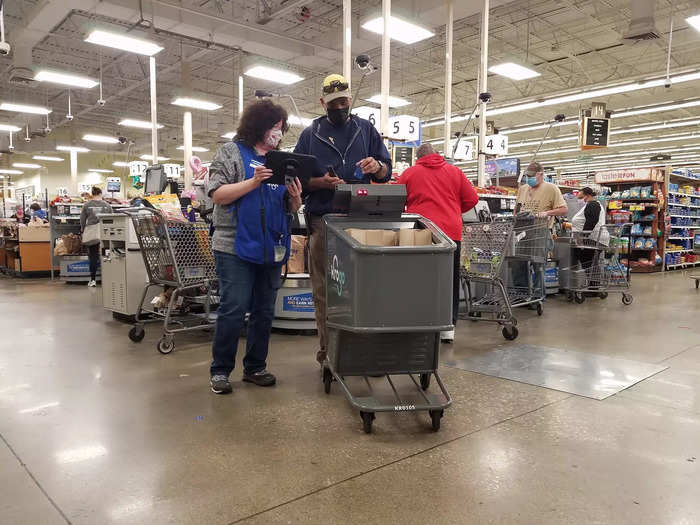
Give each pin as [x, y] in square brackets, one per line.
[273, 138]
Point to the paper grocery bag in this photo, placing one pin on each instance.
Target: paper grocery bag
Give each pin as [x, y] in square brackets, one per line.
[415, 237]
[296, 254]
[374, 237]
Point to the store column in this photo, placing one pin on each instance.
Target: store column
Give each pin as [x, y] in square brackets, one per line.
[187, 135]
[483, 86]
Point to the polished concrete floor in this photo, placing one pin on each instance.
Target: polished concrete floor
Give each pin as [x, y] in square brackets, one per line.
[95, 429]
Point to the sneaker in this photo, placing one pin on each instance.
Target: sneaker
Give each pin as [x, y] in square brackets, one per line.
[448, 336]
[92, 284]
[321, 356]
[220, 384]
[260, 378]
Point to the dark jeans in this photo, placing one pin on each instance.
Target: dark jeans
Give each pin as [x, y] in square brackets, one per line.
[244, 288]
[456, 283]
[94, 259]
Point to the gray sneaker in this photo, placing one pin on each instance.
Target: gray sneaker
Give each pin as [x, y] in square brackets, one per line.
[220, 384]
[261, 378]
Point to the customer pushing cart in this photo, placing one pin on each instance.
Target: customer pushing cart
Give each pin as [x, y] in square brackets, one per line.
[178, 257]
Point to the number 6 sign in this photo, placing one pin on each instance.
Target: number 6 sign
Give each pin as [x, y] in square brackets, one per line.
[404, 127]
[368, 113]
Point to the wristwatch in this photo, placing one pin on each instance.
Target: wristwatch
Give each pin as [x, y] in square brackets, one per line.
[379, 170]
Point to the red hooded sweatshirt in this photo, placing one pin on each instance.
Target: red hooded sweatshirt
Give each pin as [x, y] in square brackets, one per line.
[440, 192]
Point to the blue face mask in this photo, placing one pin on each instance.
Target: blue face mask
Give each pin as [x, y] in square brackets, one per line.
[531, 181]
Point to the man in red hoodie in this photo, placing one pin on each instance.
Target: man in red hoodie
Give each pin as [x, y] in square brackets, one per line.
[442, 193]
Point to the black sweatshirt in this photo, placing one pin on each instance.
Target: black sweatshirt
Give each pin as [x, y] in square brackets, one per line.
[592, 214]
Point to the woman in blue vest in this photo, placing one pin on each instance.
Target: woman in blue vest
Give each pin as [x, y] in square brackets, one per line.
[250, 243]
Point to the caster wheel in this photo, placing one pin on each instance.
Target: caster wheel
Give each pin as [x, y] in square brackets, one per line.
[474, 316]
[435, 417]
[510, 333]
[540, 310]
[697, 283]
[570, 297]
[327, 380]
[627, 299]
[367, 419]
[579, 298]
[424, 381]
[166, 345]
[137, 333]
[603, 295]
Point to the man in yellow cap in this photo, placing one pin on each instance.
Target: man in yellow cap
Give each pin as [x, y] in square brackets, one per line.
[350, 151]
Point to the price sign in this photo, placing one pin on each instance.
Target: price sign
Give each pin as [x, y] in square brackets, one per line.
[496, 145]
[137, 168]
[404, 127]
[465, 150]
[596, 132]
[172, 171]
[368, 113]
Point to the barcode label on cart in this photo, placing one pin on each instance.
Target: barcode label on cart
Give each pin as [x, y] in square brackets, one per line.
[192, 273]
[399, 408]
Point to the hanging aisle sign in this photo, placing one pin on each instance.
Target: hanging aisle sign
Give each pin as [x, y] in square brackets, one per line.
[495, 145]
[595, 127]
[464, 151]
[137, 168]
[630, 175]
[172, 171]
[368, 113]
[405, 128]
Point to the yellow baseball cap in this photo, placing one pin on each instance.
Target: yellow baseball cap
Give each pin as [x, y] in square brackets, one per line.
[335, 86]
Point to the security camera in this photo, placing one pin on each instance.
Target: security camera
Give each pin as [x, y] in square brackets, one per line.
[101, 102]
[11, 147]
[122, 140]
[485, 97]
[362, 61]
[559, 117]
[69, 117]
[27, 139]
[667, 84]
[47, 130]
[5, 48]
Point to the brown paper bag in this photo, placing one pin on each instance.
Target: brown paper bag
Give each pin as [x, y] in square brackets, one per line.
[415, 237]
[296, 254]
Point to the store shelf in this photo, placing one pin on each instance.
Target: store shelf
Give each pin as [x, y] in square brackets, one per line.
[682, 265]
[679, 238]
[683, 205]
[496, 196]
[687, 227]
[677, 251]
[686, 216]
[696, 195]
[684, 178]
[66, 217]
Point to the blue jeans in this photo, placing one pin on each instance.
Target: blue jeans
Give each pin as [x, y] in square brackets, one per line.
[244, 288]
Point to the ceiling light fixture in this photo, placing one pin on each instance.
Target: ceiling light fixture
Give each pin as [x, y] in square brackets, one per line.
[196, 103]
[100, 170]
[26, 165]
[123, 42]
[11, 172]
[9, 127]
[656, 109]
[46, 157]
[514, 71]
[141, 124]
[104, 139]
[150, 157]
[694, 21]
[65, 79]
[24, 108]
[271, 74]
[229, 135]
[77, 149]
[198, 149]
[120, 164]
[399, 29]
[394, 102]
[293, 120]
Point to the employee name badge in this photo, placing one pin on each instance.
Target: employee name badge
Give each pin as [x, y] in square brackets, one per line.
[280, 252]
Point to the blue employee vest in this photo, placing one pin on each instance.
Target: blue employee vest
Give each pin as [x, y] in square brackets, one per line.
[262, 221]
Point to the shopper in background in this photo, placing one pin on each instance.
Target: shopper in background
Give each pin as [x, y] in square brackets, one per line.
[539, 197]
[440, 192]
[589, 222]
[88, 217]
[352, 152]
[250, 242]
[37, 212]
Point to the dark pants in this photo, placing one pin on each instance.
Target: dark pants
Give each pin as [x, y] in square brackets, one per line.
[585, 258]
[94, 259]
[244, 288]
[456, 283]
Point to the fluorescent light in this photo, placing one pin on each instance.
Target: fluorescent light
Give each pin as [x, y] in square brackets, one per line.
[45, 157]
[656, 109]
[11, 172]
[513, 71]
[198, 149]
[120, 164]
[142, 124]
[652, 127]
[229, 135]
[150, 157]
[80, 454]
[78, 149]
[100, 170]
[9, 127]
[279, 76]
[26, 165]
[304, 122]
[694, 21]
[394, 102]
[39, 407]
[104, 139]
[401, 30]
[196, 103]
[24, 108]
[65, 79]
[123, 42]
[536, 127]
[548, 141]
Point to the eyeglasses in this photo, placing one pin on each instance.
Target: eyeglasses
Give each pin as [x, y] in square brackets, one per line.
[334, 87]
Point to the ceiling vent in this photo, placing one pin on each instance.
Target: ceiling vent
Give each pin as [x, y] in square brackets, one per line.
[642, 25]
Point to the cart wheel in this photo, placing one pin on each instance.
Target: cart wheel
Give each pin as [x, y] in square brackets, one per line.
[579, 298]
[424, 381]
[627, 299]
[510, 333]
[166, 345]
[137, 333]
[570, 296]
[540, 310]
[697, 283]
[367, 419]
[603, 295]
[436, 416]
[327, 380]
[474, 316]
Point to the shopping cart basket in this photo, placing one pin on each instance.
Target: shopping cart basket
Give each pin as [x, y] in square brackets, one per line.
[605, 273]
[178, 258]
[525, 264]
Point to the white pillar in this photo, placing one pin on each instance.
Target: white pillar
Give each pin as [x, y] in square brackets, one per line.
[386, 67]
[240, 95]
[187, 137]
[347, 40]
[448, 77]
[74, 172]
[154, 111]
[483, 87]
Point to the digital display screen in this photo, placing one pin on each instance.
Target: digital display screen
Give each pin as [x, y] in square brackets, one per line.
[503, 167]
[114, 185]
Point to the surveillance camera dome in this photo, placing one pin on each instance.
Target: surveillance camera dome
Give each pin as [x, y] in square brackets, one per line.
[362, 61]
[11, 148]
[27, 139]
[5, 48]
[47, 130]
[122, 140]
[69, 117]
[101, 102]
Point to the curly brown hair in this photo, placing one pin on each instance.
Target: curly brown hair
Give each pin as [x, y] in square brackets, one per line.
[257, 118]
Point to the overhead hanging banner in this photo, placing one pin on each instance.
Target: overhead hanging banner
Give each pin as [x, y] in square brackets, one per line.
[630, 175]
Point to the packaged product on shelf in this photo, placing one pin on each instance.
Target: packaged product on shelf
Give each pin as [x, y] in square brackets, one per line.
[625, 194]
[635, 192]
[646, 192]
[650, 244]
[169, 205]
[616, 195]
[639, 243]
[647, 230]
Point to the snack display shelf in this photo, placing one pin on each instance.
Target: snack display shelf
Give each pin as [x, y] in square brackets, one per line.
[679, 238]
[687, 227]
[685, 216]
[696, 195]
[678, 251]
[682, 265]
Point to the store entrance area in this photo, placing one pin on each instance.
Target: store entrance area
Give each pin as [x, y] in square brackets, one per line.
[97, 429]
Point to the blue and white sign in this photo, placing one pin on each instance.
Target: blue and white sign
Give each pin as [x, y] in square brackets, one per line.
[302, 302]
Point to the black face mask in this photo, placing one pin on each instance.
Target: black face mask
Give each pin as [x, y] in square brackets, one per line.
[339, 116]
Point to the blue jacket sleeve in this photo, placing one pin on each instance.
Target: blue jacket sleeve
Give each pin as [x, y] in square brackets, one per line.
[378, 150]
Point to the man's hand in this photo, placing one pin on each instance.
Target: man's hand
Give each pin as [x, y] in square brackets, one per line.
[327, 182]
[542, 215]
[369, 166]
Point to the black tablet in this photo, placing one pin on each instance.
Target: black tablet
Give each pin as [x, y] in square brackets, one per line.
[287, 165]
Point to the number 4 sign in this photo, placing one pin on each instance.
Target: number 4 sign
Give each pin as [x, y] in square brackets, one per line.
[496, 145]
[404, 127]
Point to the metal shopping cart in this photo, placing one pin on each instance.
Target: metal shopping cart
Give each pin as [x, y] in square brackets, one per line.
[503, 266]
[602, 272]
[178, 257]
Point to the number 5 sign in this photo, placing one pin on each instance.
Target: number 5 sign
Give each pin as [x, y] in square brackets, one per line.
[368, 113]
[404, 127]
[496, 145]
